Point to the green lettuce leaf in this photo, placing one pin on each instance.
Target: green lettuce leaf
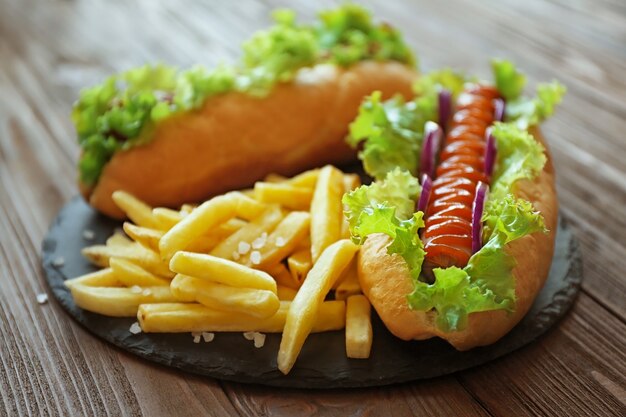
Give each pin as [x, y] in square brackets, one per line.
[519, 156]
[391, 134]
[526, 112]
[348, 35]
[392, 131]
[509, 81]
[387, 207]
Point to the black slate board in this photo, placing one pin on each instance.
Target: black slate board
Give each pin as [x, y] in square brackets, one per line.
[322, 362]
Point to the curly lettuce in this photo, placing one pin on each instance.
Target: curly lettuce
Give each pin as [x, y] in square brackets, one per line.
[525, 111]
[391, 132]
[122, 111]
[388, 207]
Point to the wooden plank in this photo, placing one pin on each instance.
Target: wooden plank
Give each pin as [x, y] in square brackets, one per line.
[578, 368]
[438, 397]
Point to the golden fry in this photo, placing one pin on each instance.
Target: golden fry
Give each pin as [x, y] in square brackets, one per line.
[358, 327]
[102, 278]
[326, 210]
[118, 302]
[300, 264]
[265, 223]
[130, 274]
[119, 240]
[286, 293]
[281, 242]
[257, 303]
[134, 252]
[288, 196]
[182, 318]
[223, 271]
[146, 237]
[348, 283]
[350, 182]
[282, 276]
[206, 217]
[166, 218]
[136, 210]
[305, 306]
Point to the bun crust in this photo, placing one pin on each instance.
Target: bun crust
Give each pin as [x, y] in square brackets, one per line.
[386, 281]
[236, 139]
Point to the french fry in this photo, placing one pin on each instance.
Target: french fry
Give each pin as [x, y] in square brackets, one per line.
[223, 271]
[118, 302]
[306, 179]
[350, 182]
[119, 240]
[257, 303]
[275, 178]
[288, 196]
[281, 242]
[300, 264]
[265, 223]
[102, 278]
[348, 283]
[206, 217]
[185, 209]
[134, 252]
[145, 236]
[130, 274]
[136, 210]
[286, 293]
[282, 276]
[305, 306]
[166, 218]
[183, 318]
[326, 210]
[358, 327]
[204, 244]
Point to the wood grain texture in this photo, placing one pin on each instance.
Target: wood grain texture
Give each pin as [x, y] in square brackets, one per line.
[51, 49]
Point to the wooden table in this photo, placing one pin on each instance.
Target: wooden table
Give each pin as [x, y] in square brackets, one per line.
[50, 49]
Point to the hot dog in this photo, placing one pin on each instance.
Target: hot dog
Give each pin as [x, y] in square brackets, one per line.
[462, 253]
[172, 137]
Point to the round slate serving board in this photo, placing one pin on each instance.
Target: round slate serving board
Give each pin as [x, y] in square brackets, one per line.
[322, 362]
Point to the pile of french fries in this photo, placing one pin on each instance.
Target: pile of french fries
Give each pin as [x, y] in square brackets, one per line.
[275, 258]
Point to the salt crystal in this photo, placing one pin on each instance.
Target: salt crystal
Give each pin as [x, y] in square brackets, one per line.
[264, 235]
[259, 340]
[88, 234]
[280, 242]
[135, 328]
[146, 292]
[255, 257]
[42, 298]
[196, 339]
[249, 335]
[135, 289]
[208, 336]
[236, 256]
[58, 262]
[259, 242]
[243, 248]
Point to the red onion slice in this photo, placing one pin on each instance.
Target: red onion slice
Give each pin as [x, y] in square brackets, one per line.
[490, 152]
[430, 148]
[445, 107]
[478, 207]
[427, 186]
[499, 108]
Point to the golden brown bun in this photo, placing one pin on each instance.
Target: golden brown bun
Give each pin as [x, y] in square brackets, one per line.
[386, 282]
[236, 139]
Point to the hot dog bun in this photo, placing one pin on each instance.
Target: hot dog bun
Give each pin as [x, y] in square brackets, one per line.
[386, 281]
[236, 139]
